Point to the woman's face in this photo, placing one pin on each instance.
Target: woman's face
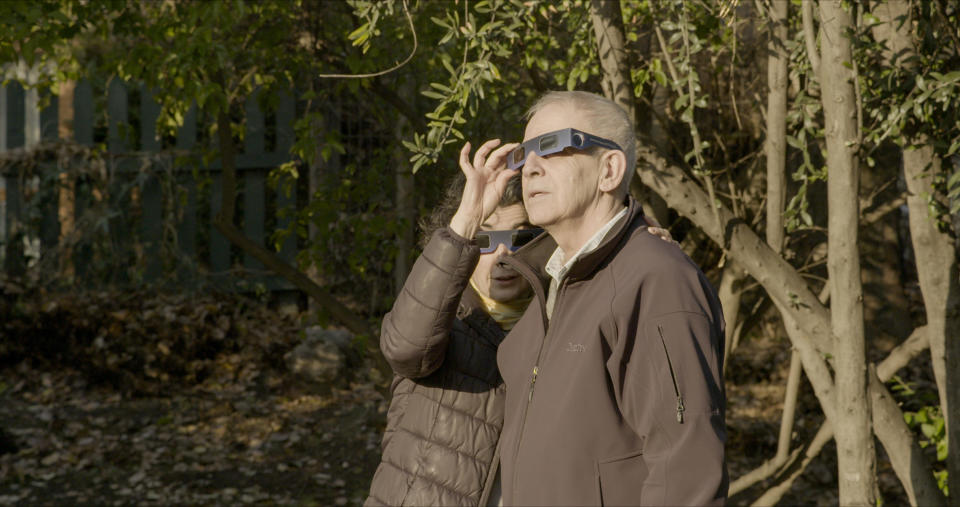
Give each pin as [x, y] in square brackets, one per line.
[499, 281]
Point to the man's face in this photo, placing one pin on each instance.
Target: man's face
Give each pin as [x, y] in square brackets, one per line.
[561, 187]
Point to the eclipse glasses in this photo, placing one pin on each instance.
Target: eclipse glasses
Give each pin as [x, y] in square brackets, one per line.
[488, 241]
[555, 142]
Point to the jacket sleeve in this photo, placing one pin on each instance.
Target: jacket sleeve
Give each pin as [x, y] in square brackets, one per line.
[672, 395]
[414, 334]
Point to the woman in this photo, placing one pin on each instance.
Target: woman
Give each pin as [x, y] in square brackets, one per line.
[440, 338]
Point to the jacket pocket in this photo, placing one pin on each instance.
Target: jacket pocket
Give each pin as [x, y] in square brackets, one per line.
[622, 479]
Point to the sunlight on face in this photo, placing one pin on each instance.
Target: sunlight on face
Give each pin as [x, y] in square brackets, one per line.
[559, 187]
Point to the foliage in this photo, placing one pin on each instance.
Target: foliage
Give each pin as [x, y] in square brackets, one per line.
[932, 426]
[485, 34]
[926, 419]
[915, 100]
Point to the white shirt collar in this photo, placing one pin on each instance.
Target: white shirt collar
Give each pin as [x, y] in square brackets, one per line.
[558, 268]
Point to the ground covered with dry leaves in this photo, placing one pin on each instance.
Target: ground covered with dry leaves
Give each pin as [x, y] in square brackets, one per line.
[115, 400]
[151, 399]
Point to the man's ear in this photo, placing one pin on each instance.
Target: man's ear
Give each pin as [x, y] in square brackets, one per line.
[613, 167]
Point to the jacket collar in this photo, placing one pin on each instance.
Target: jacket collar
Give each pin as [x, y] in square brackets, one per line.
[590, 262]
[531, 259]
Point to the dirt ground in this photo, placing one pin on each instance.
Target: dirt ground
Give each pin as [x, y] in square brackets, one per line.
[207, 445]
[249, 435]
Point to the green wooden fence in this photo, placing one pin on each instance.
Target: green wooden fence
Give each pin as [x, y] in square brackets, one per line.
[123, 117]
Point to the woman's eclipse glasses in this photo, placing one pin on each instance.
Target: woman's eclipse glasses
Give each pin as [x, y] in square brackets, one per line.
[488, 241]
[555, 142]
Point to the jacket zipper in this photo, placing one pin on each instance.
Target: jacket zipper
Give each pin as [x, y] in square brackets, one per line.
[673, 376]
[533, 378]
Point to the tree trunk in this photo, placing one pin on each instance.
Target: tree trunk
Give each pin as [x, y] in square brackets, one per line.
[776, 142]
[67, 189]
[776, 152]
[935, 254]
[607, 21]
[939, 278]
[856, 457]
[730, 292]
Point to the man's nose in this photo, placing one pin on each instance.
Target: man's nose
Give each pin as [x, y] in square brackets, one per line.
[533, 165]
[501, 251]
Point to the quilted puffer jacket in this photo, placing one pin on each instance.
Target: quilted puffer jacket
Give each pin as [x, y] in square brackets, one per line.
[445, 417]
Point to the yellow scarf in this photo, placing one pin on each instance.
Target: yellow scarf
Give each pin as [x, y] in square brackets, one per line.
[504, 314]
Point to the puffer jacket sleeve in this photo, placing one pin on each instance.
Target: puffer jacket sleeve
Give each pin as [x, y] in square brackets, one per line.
[415, 332]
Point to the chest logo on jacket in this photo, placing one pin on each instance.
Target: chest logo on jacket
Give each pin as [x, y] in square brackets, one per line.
[575, 347]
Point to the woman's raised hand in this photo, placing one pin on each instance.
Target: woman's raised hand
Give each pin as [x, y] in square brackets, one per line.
[487, 177]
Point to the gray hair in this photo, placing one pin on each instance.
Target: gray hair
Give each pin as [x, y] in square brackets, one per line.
[604, 117]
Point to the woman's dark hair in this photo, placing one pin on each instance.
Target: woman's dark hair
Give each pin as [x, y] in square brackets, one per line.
[442, 214]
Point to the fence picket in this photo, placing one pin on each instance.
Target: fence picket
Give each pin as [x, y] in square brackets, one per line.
[117, 115]
[83, 113]
[83, 123]
[187, 225]
[253, 214]
[152, 202]
[219, 245]
[12, 241]
[253, 197]
[49, 221]
[187, 133]
[187, 229]
[253, 139]
[12, 110]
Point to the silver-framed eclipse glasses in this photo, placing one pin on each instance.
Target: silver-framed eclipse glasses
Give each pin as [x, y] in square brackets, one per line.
[488, 241]
[555, 142]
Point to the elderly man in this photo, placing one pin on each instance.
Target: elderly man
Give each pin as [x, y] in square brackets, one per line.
[614, 391]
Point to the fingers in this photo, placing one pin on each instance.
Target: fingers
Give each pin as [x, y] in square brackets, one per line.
[480, 158]
[465, 159]
[500, 183]
[662, 234]
[499, 156]
[487, 160]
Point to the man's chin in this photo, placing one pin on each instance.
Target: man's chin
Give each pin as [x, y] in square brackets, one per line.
[541, 220]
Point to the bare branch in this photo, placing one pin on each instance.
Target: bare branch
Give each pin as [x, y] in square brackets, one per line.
[774, 494]
[413, 51]
[810, 35]
[917, 342]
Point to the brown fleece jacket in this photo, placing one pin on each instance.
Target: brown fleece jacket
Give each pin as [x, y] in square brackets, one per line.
[618, 399]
